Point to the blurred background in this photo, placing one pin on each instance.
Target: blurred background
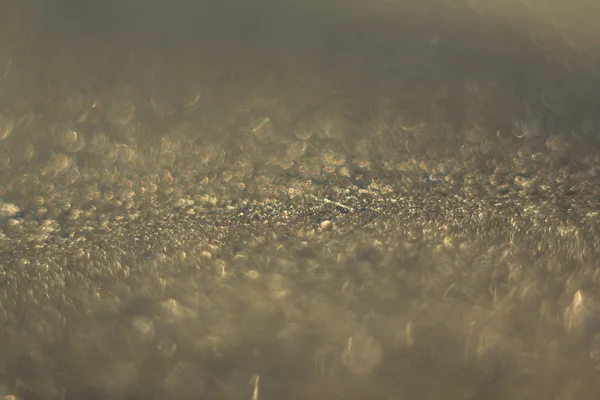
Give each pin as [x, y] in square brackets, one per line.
[266, 199]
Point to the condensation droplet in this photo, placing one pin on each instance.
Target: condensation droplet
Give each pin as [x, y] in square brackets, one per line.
[24, 151]
[70, 140]
[125, 155]
[184, 380]
[264, 129]
[277, 285]
[6, 126]
[8, 210]
[5, 65]
[363, 354]
[171, 310]
[303, 130]
[557, 143]
[122, 112]
[326, 225]
[330, 124]
[57, 164]
[189, 95]
[554, 100]
[166, 347]
[297, 149]
[407, 123]
[576, 314]
[144, 327]
[161, 104]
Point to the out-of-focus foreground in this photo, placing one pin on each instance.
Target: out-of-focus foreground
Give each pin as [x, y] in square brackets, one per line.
[338, 199]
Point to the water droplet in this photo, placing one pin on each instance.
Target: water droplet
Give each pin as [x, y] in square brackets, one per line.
[171, 310]
[144, 327]
[70, 140]
[184, 380]
[6, 126]
[57, 164]
[189, 95]
[166, 347]
[554, 99]
[296, 150]
[303, 130]
[161, 104]
[5, 65]
[8, 210]
[121, 112]
[557, 143]
[264, 129]
[326, 225]
[363, 353]
[330, 124]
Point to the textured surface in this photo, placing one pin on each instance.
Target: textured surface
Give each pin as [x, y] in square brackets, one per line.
[300, 200]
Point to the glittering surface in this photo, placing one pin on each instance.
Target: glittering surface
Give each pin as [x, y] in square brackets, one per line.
[304, 200]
